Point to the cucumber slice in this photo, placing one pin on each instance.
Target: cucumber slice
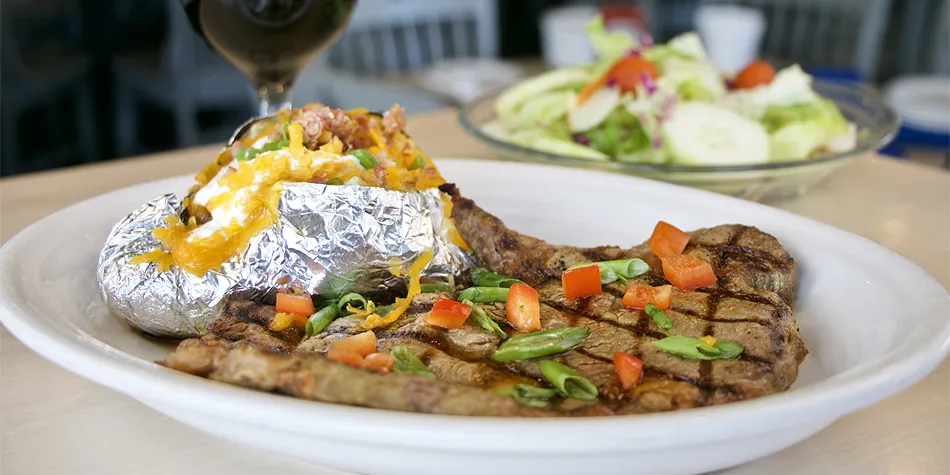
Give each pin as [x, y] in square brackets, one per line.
[704, 134]
[594, 110]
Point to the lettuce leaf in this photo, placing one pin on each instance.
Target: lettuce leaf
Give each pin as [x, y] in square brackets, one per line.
[512, 99]
[797, 131]
[620, 134]
[609, 46]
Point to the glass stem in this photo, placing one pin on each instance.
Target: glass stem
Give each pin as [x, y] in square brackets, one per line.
[274, 97]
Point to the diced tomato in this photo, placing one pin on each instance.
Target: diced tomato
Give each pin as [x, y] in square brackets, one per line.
[297, 304]
[638, 296]
[629, 368]
[382, 362]
[686, 272]
[628, 72]
[667, 240]
[523, 309]
[581, 282]
[590, 88]
[663, 296]
[351, 358]
[361, 343]
[757, 73]
[447, 313]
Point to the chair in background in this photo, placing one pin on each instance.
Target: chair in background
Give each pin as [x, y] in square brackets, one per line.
[398, 36]
[184, 77]
[41, 66]
[834, 39]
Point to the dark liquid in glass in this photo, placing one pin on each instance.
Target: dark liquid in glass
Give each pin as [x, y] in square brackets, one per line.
[269, 40]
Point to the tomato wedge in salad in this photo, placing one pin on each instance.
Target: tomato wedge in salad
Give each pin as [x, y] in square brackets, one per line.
[628, 72]
[757, 73]
[447, 313]
[523, 309]
[581, 282]
[686, 272]
[667, 240]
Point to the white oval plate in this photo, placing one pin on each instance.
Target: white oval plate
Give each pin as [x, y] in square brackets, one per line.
[873, 321]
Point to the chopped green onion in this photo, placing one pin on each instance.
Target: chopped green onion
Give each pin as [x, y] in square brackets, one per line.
[334, 181]
[532, 396]
[484, 294]
[567, 382]
[347, 300]
[483, 277]
[429, 288]
[658, 316]
[697, 349]
[417, 163]
[384, 310]
[242, 154]
[624, 269]
[542, 343]
[283, 131]
[367, 160]
[318, 321]
[483, 320]
[406, 362]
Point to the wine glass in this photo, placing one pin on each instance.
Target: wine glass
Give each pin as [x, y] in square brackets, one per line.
[270, 41]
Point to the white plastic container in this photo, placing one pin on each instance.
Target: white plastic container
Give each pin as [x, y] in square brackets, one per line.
[732, 34]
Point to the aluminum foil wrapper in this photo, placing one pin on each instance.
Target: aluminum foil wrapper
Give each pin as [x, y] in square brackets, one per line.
[328, 240]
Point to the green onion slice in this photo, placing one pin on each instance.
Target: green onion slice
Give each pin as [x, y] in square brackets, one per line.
[539, 344]
[406, 362]
[484, 294]
[367, 160]
[417, 163]
[429, 288]
[483, 320]
[697, 349]
[483, 277]
[658, 316]
[334, 181]
[623, 270]
[318, 321]
[241, 154]
[532, 396]
[346, 302]
[567, 382]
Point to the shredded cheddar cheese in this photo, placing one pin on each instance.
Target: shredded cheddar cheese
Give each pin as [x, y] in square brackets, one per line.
[709, 340]
[402, 304]
[281, 322]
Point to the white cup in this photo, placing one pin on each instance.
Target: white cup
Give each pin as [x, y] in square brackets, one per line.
[563, 40]
[732, 34]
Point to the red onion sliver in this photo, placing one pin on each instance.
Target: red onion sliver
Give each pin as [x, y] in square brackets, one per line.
[646, 40]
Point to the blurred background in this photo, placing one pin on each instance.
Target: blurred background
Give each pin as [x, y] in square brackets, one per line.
[91, 80]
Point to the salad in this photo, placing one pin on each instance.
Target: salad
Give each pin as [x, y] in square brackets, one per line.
[667, 104]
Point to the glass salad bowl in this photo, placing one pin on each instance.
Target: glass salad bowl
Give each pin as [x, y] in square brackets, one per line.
[876, 123]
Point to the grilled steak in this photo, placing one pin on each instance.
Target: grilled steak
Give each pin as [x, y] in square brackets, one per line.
[749, 305]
